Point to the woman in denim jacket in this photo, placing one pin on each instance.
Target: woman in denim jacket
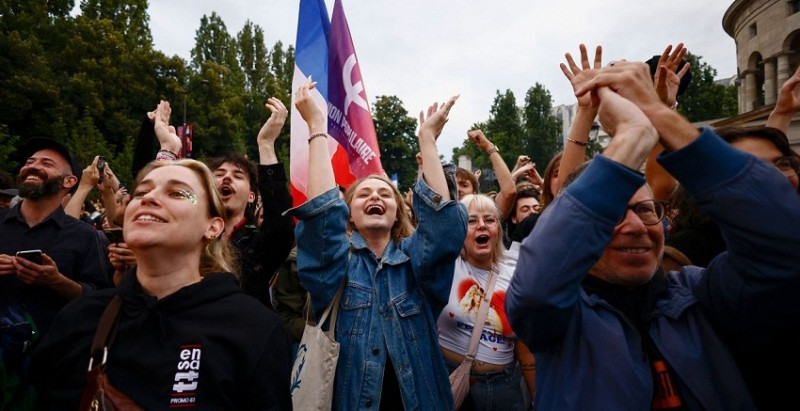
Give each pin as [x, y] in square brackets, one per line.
[397, 279]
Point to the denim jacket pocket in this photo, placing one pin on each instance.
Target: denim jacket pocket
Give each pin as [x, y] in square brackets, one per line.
[409, 307]
[355, 309]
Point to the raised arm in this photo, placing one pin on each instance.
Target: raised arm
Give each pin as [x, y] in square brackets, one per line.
[633, 81]
[320, 171]
[508, 189]
[787, 105]
[168, 140]
[270, 131]
[430, 128]
[575, 149]
[89, 179]
[277, 230]
[667, 81]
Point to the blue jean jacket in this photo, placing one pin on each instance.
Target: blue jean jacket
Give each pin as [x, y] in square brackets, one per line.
[389, 306]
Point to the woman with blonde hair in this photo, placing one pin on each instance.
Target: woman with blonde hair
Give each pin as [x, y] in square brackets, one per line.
[186, 333]
[498, 365]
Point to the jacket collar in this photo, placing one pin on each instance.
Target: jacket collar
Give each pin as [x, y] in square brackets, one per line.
[393, 255]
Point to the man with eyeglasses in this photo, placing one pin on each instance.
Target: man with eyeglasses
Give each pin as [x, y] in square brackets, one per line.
[608, 328]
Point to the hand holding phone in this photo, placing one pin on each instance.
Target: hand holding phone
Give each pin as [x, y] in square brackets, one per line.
[34, 256]
[114, 235]
[101, 168]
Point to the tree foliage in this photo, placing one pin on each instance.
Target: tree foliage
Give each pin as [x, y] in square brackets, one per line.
[397, 138]
[528, 130]
[87, 79]
[705, 100]
[542, 129]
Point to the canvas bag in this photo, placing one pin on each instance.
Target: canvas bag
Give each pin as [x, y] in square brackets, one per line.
[459, 378]
[315, 364]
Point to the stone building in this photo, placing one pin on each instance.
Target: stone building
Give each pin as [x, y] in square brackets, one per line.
[767, 35]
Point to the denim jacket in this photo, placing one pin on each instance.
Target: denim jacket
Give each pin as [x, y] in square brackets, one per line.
[389, 306]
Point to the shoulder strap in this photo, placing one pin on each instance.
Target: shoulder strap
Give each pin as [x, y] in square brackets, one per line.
[483, 311]
[106, 331]
[332, 308]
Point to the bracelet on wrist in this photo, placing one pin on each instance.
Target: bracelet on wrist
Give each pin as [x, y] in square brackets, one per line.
[580, 143]
[492, 150]
[166, 155]
[315, 135]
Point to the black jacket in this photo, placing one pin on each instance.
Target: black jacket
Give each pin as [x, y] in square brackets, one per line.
[261, 251]
[207, 344]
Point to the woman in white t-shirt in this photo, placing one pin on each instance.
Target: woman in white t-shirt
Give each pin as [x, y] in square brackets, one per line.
[496, 369]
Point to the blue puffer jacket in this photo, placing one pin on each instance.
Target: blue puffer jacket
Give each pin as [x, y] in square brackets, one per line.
[389, 306]
[589, 357]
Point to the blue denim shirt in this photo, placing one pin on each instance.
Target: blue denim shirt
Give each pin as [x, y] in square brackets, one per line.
[389, 306]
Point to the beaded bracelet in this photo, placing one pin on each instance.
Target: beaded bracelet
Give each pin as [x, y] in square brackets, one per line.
[580, 143]
[313, 136]
[492, 150]
[166, 155]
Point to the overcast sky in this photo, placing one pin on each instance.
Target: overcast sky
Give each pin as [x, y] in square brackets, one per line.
[427, 50]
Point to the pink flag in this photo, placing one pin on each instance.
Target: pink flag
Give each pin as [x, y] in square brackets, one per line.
[349, 116]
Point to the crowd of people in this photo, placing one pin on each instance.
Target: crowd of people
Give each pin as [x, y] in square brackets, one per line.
[659, 275]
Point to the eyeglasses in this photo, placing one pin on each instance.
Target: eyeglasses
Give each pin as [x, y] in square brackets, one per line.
[488, 221]
[651, 212]
[789, 165]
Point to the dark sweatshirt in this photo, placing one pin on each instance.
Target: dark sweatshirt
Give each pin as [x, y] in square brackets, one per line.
[207, 346]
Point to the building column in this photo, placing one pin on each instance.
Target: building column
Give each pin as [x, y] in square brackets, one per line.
[740, 89]
[770, 83]
[750, 92]
[783, 69]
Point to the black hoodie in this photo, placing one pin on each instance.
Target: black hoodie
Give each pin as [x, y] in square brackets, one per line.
[206, 346]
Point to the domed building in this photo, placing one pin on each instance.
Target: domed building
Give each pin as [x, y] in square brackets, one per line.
[767, 35]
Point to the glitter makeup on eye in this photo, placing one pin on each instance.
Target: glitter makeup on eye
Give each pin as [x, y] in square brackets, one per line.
[188, 195]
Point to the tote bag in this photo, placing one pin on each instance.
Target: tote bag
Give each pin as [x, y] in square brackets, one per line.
[315, 364]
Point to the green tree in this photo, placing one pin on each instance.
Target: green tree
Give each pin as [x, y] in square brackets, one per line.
[128, 17]
[397, 139]
[7, 164]
[214, 44]
[219, 127]
[503, 128]
[542, 130]
[254, 60]
[703, 99]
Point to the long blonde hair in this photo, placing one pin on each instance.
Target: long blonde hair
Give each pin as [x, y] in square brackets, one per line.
[402, 228]
[217, 255]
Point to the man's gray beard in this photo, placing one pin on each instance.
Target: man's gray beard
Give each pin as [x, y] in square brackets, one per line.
[48, 188]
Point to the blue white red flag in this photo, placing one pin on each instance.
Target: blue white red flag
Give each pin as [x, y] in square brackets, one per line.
[324, 51]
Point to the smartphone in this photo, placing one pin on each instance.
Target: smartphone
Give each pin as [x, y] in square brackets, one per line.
[101, 168]
[34, 256]
[114, 235]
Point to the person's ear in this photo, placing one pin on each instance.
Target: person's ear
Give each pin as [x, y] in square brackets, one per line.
[251, 197]
[215, 228]
[69, 182]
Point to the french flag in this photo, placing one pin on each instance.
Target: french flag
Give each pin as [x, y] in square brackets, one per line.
[324, 51]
